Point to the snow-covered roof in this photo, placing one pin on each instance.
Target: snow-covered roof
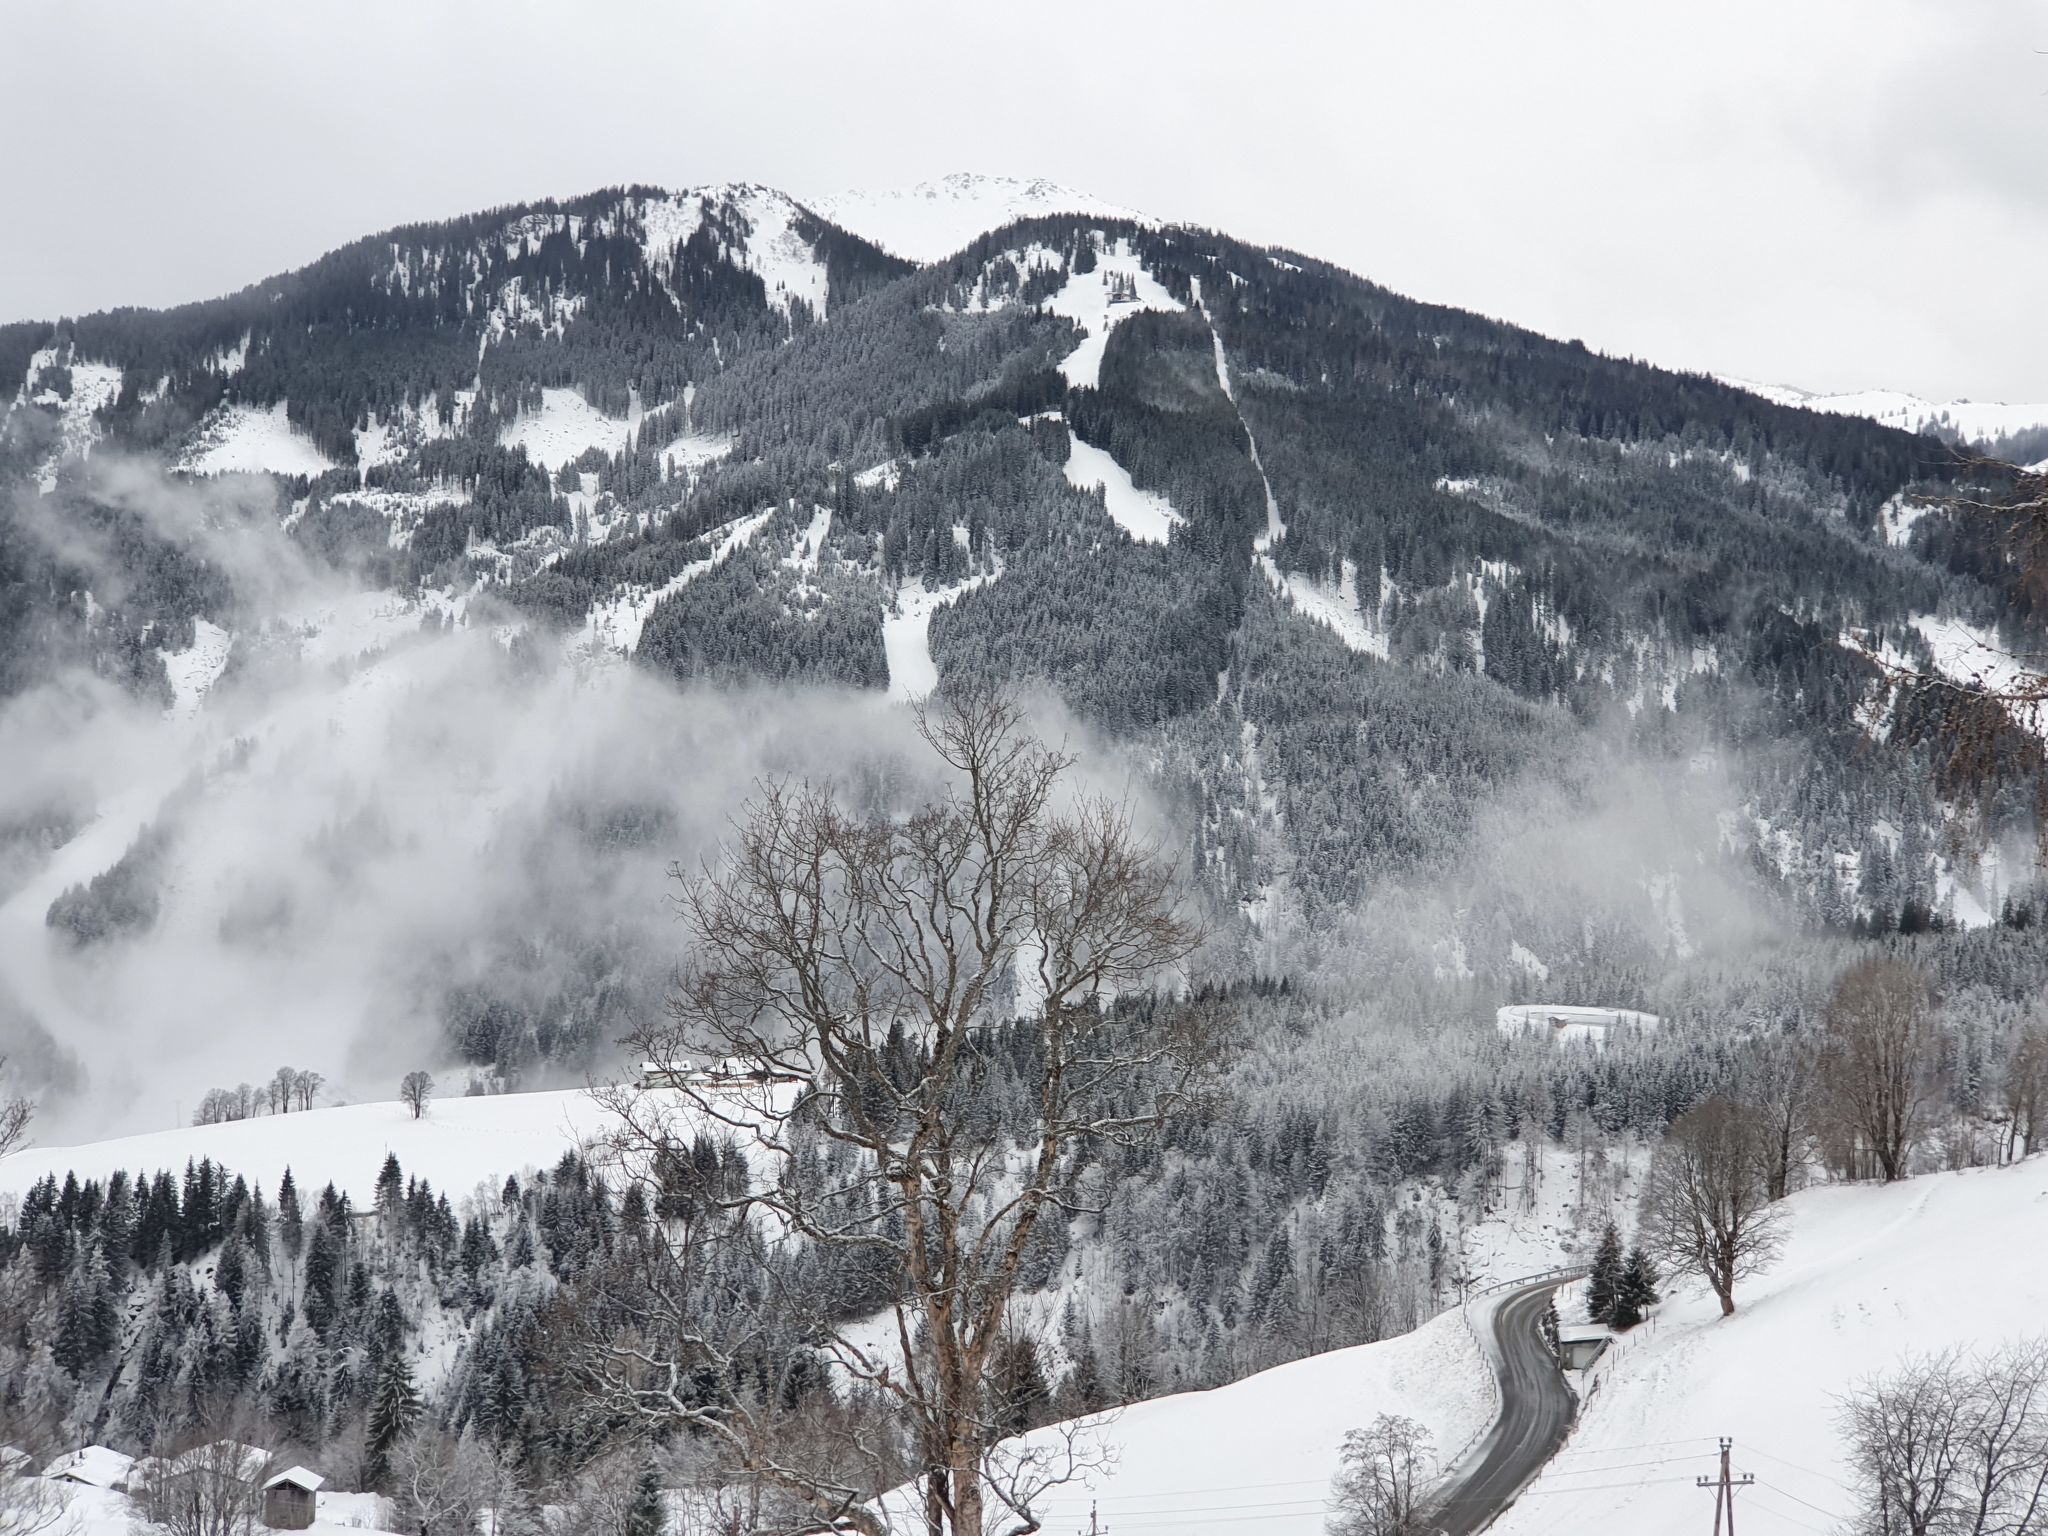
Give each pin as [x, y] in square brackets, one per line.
[297, 1477]
[1581, 1333]
[14, 1460]
[97, 1466]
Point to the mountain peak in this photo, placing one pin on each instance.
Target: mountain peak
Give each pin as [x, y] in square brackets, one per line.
[931, 220]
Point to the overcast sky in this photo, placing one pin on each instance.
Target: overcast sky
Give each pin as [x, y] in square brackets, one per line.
[1838, 194]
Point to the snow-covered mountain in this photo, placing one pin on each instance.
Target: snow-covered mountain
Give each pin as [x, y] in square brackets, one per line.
[932, 220]
[1970, 421]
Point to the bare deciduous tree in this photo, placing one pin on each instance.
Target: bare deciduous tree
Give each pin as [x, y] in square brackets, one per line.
[29, 1504]
[1379, 1489]
[864, 988]
[1878, 1064]
[1953, 1446]
[16, 1111]
[440, 1482]
[1783, 1084]
[1706, 1206]
[215, 1489]
[415, 1090]
[2023, 1089]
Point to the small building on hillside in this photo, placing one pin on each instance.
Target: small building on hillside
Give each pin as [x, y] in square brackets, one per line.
[1580, 1344]
[291, 1499]
[730, 1073]
[92, 1466]
[1570, 1024]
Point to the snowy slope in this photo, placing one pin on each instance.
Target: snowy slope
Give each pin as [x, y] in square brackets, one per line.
[1870, 1274]
[1145, 515]
[933, 219]
[1256, 1457]
[251, 439]
[1973, 420]
[458, 1144]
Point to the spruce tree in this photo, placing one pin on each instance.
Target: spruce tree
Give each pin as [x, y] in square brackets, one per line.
[394, 1407]
[1635, 1289]
[1606, 1274]
[647, 1515]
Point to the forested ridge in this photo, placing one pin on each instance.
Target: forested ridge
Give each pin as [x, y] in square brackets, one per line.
[1435, 589]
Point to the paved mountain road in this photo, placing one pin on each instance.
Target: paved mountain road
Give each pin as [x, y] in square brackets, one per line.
[1536, 1410]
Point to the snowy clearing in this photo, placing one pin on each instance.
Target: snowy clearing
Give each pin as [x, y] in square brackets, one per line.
[1085, 299]
[197, 668]
[932, 220]
[253, 440]
[1144, 515]
[1337, 609]
[458, 1144]
[614, 625]
[906, 636]
[566, 427]
[1870, 1274]
[1974, 420]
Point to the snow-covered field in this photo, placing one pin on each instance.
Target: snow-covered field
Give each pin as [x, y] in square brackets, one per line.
[565, 427]
[252, 439]
[1257, 1456]
[1974, 420]
[933, 219]
[458, 1144]
[1870, 1274]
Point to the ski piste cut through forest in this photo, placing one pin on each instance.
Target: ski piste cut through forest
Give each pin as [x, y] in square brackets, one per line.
[1461, 668]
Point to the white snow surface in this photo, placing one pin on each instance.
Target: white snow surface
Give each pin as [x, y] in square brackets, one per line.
[1144, 515]
[1975, 420]
[197, 668]
[614, 624]
[1336, 608]
[565, 427]
[1870, 1274]
[94, 387]
[1256, 1457]
[933, 219]
[906, 635]
[458, 1144]
[1084, 299]
[251, 439]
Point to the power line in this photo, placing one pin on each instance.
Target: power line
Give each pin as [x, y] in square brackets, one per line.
[1787, 1493]
[1647, 1445]
[1641, 1482]
[1796, 1467]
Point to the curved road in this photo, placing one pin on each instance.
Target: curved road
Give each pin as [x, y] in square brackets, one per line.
[1536, 1410]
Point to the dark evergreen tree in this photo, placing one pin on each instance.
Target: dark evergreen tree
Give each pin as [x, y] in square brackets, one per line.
[1600, 1284]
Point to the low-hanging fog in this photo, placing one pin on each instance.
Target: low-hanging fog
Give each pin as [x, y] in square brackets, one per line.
[391, 838]
[410, 833]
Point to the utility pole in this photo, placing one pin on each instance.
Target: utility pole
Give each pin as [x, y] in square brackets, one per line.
[1094, 1528]
[1724, 1488]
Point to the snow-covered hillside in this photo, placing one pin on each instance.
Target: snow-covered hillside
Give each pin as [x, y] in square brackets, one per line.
[1975, 421]
[933, 219]
[1870, 1274]
[1259, 1453]
[459, 1143]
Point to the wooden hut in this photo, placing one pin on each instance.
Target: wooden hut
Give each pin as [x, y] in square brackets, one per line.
[290, 1499]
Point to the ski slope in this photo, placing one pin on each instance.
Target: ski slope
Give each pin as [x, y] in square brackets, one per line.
[1869, 1274]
